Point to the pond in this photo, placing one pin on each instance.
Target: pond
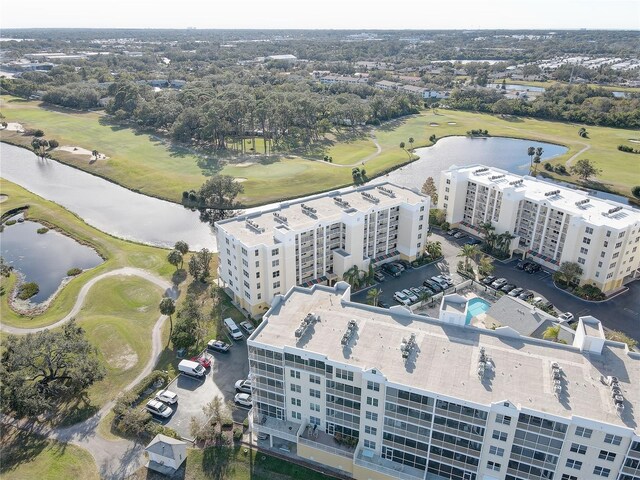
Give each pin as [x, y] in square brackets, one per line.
[105, 205]
[44, 258]
[516, 87]
[507, 153]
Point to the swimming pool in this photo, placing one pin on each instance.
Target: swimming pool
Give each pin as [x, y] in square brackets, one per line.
[476, 306]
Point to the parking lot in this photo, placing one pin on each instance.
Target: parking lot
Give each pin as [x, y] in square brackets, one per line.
[194, 393]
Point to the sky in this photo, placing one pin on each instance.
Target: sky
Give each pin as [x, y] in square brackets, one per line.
[324, 14]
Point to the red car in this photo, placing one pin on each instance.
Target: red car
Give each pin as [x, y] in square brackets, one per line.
[204, 361]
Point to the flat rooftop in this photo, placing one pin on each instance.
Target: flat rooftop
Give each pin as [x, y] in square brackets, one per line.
[575, 202]
[446, 356]
[326, 210]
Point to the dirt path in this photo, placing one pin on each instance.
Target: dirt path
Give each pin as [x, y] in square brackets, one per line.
[115, 459]
[574, 156]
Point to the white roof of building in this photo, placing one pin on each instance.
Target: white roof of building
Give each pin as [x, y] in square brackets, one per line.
[445, 359]
[166, 447]
[576, 203]
[326, 209]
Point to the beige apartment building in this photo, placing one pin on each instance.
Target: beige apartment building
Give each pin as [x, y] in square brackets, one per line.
[316, 240]
[551, 224]
[379, 393]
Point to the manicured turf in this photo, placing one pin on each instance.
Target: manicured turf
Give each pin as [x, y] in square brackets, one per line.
[118, 253]
[549, 83]
[29, 456]
[143, 163]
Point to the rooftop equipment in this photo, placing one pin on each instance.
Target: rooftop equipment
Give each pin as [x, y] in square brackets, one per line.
[480, 170]
[251, 225]
[306, 322]
[387, 191]
[370, 197]
[552, 193]
[407, 346]
[516, 183]
[556, 379]
[341, 202]
[279, 217]
[352, 327]
[307, 210]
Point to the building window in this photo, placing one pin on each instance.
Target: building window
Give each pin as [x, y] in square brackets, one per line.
[612, 439]
[371, 416]
[504, 419]
[372, 401]
[275, 251]
[588, 230]
[615, 255]
[370, 444]
[498, 435]
[256, 253]
[276, 284]
[314, 379]
[581, 261]
[373, 386]
[244, 251]
[227, 240]
[584, 250]
[370, 430]
[577, 448]
[296, 415]
[566, 476]
[610, 276]
[446, 197]
[245, 263]
[446, 189]
[608, 233]
[584, 432]
[444, 205]
[493, 450]
[612, 265]
[602, 254]
[608, 456]
[575, 464]
[296, 388]
[246, 284]
[259, 296]
[621, 234]
[315, 407]
[296, 402]
[493, 466]
[314, 393]
[448, 182]
[314, 420]
[601, 471]
[295, 374]
[276, 274]
[344, 374]
[586, 240]
[618, 245]
[599, 264]
[275, 263]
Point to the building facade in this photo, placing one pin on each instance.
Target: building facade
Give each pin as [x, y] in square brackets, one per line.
[266, 252]
[384, 394]
[550, 223]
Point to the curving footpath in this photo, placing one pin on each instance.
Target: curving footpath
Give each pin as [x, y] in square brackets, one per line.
[115, 459]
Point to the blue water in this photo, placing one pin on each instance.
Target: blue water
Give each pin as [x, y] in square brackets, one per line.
[476, 306]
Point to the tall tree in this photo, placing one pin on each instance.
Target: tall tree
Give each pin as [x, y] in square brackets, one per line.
[429, 188]
[204, 257]
[531, 151]
[468, 252]
[218, 197]
[569, 273]
[551, 333]
[168, 307]
[352, 276]
[42, 370]
[373, 295]
[411, 140]
[174, 257]
[182, 247]
[584, 169]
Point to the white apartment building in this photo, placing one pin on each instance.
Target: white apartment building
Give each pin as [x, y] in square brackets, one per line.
[317, 239]
[385, 394]
[552, 224]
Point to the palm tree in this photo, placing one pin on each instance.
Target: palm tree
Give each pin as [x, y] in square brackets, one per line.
[370, 276]
[485, 265]
[373, 295]
[424, 297]
[168, 307]
[486, 227]
[174, 258]
[531, 151]
[468, 252]
[536, 162]
[95, 153]
[491, 239]
[411, 140]
[551, 333]
[352, 277]
[434, 249]
[504, 240]
[183, 248]
[402, 145]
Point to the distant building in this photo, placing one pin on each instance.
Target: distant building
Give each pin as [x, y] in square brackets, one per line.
[283, 58]
[166, 454]
[353, 80]
[387, 85]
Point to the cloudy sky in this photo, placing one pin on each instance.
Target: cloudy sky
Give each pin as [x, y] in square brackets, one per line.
[336, 14]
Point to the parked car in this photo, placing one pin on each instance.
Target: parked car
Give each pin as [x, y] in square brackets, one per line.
[383, 304]
[436, 287]
[489, 280]
[243, 386]
[460, 235]
[379, 277]
[189, 367]
[516, 291]
[167, 397]
[537, 300]
[507, 288]
[202, 360]
[243, 400]
[440, 281]
[447, 278]
[399, 266]
[406, 265]
[545, 305]
[532, 268]
[499, 283]
[392, 269]
[247, 326]
[233, 329]
[410, 295]
[218, 346]
[521, 264]
[158, 408]
[566, 317]
[453, 231]
[526, 295]
[473, 241]
[263, 436]
[417, 291]
[401, 298]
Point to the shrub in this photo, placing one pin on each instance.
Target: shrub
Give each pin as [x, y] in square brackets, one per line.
[548, 167]
[28, 290]
[72, 272]
[618, 336]
[10, 222]
[589, 292]
[42, 230]
[237, 434]
[53, 144]
[245, 423]
[635, 191]
[561, 169]
[227, 423]
[38, 133]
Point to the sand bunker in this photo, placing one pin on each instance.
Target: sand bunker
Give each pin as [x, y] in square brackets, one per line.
[451, 123]
[240, 179]
[3, 197]
[434, 124]
[81, 151]
[244, 164]
[633, 140]
[15, 127]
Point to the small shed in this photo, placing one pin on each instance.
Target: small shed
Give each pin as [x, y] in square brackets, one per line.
[166, 454]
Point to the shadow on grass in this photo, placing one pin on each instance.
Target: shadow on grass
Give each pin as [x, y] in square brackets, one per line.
[23, 445]
[216, 462]
[510, 118]
[179, 276]
[393, 124]
[73, 412]
[107, 121]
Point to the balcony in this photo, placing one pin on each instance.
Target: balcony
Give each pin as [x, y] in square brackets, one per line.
[323, 441]
[372, 461]
[277, 428]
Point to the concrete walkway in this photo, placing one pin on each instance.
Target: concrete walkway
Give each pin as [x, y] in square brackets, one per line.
[115, 459]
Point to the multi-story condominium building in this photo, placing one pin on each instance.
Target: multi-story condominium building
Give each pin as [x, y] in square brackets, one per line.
[551, 224]
[385, 394]
[316, 240]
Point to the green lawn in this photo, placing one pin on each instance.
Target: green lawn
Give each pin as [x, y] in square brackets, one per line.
[549, 83]
[143, 163]
[118, 253]
[226, 463]
[29, 456]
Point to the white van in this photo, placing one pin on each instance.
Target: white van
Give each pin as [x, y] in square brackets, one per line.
[234, 331]
[193, 369]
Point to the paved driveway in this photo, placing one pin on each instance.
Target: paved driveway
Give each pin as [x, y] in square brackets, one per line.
[194, 393]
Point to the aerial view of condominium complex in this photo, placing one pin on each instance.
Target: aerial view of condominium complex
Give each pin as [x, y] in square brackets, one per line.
[413, 397]
[266, 252]
[552, 224]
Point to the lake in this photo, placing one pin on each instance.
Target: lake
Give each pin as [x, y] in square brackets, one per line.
[105, 205]
[516, 87]
[44, 258]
